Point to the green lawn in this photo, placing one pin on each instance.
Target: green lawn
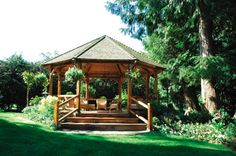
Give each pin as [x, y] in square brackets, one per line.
[19, 136]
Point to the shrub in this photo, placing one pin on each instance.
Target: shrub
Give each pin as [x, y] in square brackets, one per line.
[35, 100]
[230, 131]
[43, 112]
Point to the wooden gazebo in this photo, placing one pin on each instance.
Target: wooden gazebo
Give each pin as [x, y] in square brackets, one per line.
[107, 58]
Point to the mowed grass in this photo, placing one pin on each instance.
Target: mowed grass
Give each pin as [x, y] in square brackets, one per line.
[19, 136]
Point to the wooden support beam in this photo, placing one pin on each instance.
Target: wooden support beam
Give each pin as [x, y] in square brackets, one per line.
[78, 90]
[88, 68]
[56, 113]
[129, 94]
[120, 82]
[147, 86]
[51, 81]
[87, 87]
[120, 71]
[155, 86]
[59, 82]
[149, 125]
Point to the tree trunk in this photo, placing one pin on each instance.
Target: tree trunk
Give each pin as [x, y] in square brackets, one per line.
[190, 98]
[27, 97]
[206, 49]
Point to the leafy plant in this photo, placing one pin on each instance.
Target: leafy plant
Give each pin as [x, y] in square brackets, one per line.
[74, 74]
[35, 100]
[29, 79]
[134, 74]
[43, 112]
[41, 79]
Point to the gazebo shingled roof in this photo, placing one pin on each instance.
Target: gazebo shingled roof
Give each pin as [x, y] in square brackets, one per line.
[103, 49]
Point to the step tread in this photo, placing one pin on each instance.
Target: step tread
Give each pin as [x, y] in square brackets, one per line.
[105, 114]
[108, 118]
[104, 124]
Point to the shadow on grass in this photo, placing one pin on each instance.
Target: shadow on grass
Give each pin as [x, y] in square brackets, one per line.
[31, 139]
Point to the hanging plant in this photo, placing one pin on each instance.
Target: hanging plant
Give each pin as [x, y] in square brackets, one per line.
[74, 74]
[134, 74]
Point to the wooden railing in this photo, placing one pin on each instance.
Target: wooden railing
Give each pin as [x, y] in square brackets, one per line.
[148, 121]
[60, 105]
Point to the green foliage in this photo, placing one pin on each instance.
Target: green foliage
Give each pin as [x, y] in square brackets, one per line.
[41, 79]
[35, 100]
[29, 78]
[169, 30]
[32, 79]
[43, 111]
[74, 74]
[104, 87]
[69, 93]
[92, 90]
[206, 132]
[134, 74]
[11, 83]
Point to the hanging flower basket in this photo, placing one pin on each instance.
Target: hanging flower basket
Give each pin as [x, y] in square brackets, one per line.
[134, 74]
[74, 74]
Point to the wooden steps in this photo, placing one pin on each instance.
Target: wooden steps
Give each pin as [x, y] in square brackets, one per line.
[103, 121]
[104, 114]
[104, 126]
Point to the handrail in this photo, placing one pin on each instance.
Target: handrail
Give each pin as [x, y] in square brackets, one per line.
[140, 117]
[148, 121]
[57, 105]
[61, 96]
[139, 102]
[68, 114]
[65, 102]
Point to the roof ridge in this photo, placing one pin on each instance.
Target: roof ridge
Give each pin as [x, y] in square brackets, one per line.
[134, 51]
[72, 49]
[86, 49]
[116, 41]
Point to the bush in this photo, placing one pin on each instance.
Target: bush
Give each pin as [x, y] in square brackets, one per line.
[35, 100]
[201, 131]
[230, 130]
[43, 112]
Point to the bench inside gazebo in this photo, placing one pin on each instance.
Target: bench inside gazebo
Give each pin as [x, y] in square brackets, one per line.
[105, 58]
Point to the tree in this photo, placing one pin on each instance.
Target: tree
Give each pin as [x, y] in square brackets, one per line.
[11, 82]
[206, 49]
[29, 79]
[185, 27]
[169, 36]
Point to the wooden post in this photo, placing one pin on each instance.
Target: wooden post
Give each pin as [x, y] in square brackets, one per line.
[87, 88]
[51, 83]
[155, 86]
[147, 87]
[56, 115]
[78, 87]
[119, 92]
[59, 82]
[129, 94]
[149, 126]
